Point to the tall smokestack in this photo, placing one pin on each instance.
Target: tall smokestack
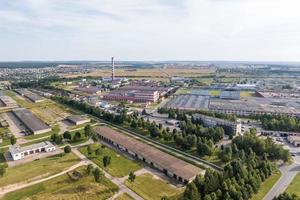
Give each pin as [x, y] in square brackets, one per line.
[113, 69]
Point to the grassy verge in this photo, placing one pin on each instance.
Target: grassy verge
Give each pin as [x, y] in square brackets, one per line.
[294, 187]
[39, 168]
[151, 188]
[119, 166]
[266, 186]
[124, 196]
[63, 187]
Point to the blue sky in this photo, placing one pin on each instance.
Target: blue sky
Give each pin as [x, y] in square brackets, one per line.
[251, 30]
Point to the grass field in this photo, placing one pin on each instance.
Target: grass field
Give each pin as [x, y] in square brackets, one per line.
[150, 72]
[124, 196]
[39, 168]
[63, 187]
[294, 187]
[266, 186]
[151, 188]
[183, 91]
[119, 166]
[50, 113]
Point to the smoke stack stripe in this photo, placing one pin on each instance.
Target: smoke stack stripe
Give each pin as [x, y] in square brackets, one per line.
[113, 69]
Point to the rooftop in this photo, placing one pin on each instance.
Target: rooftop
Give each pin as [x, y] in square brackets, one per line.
[14, 149]
[171, 163]
[30, 120]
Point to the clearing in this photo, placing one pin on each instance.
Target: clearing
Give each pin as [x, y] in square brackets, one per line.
[63, 187]
[39, 168]
[119, 166]
[151, 188]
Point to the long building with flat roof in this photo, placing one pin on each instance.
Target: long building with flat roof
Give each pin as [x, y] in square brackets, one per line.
[30, 95]
[7, 102]
[32, 123]
[170, 165]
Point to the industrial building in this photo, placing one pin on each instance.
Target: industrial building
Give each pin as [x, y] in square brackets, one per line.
[235, 126]
[29, 95]
[7, 102]
[94, 90]
[230, 94]
[140, 96]
[17, 152]
[78, 120]
[32, 123]
[170, 165]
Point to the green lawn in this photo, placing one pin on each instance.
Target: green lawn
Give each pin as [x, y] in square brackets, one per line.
[151, 188]
[215, 92]
[44, 167]
[63, 187]
[183, 91]
[119, 166]
[124, 196]
[294, 187]
[266, 186]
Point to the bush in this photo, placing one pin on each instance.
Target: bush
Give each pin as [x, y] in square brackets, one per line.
[67, 149]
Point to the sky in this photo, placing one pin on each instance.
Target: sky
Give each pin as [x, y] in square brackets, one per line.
[249, 30]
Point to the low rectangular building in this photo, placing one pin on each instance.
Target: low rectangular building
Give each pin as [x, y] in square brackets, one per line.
[170, 165]
[230, 95]
[78, 120]
[7, 102]
[32, 123]
[30, 95]
[132, 95]
[17, 152]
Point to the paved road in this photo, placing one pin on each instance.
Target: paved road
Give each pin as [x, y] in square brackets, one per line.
[288, 174]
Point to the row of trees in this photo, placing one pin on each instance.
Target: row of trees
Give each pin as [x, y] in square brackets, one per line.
[280, 123]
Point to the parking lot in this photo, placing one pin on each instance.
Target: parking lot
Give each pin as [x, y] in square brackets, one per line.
[189, 101]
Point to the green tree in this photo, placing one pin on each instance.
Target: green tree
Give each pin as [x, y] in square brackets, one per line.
[98, 151]
[88, 130]
[191, 192]
[286, 196]
[67, 135]
[77, 136]
[106, 161]
[131, 177]
[89, 169]
[2, 170]
[67, 149]
[89, 150]
[97, 174]
[13, 140]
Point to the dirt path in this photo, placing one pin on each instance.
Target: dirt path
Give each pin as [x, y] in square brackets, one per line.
[17, 186]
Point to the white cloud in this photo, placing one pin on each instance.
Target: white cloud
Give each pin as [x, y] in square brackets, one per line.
[150, 29]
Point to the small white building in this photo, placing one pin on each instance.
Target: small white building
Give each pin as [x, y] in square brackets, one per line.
[17, 152]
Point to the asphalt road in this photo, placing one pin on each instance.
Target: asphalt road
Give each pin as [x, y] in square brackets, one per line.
[288, 174]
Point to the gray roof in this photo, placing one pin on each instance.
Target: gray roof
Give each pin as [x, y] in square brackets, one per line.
[30, 120]
[76, 118]
[179, 167]
[14, 149]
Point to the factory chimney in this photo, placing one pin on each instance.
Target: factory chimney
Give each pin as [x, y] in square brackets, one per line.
[113, 69]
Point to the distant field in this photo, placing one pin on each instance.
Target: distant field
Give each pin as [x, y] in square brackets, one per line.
[63, 187]
[119, 167]
[124, 196]
[151, 188]
[150, 72]
[266, 186]
[294, 187]
[39, 168]
[183, 91]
